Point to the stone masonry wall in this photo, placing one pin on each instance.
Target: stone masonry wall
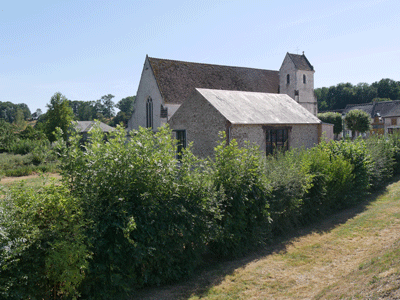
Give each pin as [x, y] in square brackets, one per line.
[202, 123]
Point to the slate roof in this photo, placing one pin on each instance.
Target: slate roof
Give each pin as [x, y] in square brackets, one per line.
[384, 108]
[258, 108]
[301, 62]
[177, 79]
[86, 126]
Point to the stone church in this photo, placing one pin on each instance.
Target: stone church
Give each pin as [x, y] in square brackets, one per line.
[165, 85]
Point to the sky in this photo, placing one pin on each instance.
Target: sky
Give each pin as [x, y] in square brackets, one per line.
[87, 49]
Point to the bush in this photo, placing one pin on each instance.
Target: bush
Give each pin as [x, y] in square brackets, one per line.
[382, 154]
[43, 253]
[151, 216]
[290, 181]
[244, 191]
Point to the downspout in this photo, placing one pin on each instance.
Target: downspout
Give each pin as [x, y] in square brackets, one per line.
[228, 132]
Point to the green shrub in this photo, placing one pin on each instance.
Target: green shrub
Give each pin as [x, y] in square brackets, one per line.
[244, 190]
[43, 254]
[382, 155]
[332, 181]
[290, 181]
[151, 216]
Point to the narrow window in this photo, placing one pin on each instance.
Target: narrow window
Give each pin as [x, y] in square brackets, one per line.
[180, 136]
[287, 79]
[149, 113]
[276, 140]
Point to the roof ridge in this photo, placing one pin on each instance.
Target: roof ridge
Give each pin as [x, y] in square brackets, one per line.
[208, 64]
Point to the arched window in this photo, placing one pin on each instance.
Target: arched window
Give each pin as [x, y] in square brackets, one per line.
[149, 113]
[304, 79]
[287, 79]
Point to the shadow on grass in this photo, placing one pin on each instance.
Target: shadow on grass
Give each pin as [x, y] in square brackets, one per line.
[214, 270]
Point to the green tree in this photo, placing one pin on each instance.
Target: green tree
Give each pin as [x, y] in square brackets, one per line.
[357, 121]
[332, 118]
[59, 114]
[126, 108]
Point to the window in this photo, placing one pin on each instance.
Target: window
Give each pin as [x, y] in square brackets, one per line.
[149, 113]
[394, 121]
[180, 136]
[276, 139]
[304, 79]
[287, 79]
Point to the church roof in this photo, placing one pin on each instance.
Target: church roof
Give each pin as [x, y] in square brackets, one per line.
[301, 62]
[177, 79]
[258, 108]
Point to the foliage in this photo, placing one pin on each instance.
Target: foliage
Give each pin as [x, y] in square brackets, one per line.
[357, 120]
[244, 192]
[332, 118]
[126, 108]
[338, 96]
[151, 217]
[9, 111]
[7, 136]
[59, 114]
[290, 182]
[43, 252]
[382, 155]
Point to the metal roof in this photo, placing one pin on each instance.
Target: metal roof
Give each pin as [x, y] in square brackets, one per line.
[258, 108]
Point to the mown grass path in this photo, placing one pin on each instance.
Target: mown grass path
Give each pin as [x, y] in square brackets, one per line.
[351, 255]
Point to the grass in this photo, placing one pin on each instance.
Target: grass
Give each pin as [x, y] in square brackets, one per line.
[351, 255]
[35, 181]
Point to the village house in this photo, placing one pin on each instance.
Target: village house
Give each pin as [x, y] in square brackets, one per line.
[385, 116]
[166, 85]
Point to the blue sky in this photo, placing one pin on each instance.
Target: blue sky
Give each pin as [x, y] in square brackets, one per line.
[86, 49]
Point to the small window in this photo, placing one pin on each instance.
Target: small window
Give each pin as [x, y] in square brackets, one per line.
[149, 113]
[180, 136]
[296, 92]
[287, 79]
[304, 79]
[394, 121]
[276, 140]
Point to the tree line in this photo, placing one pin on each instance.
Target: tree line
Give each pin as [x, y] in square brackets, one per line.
[338, 96]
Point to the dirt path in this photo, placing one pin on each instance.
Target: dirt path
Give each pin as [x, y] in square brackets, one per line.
[305, 265]
[7, 180]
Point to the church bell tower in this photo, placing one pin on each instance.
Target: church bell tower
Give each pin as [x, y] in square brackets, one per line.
[296, 79]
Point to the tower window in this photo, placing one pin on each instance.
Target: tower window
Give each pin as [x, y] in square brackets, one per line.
[149, 113]
[287, 79]
[304, 79]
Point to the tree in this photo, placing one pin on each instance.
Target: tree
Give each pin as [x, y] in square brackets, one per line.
[357, 120]
[37, 114]
[126, 108]
[59, 114]
[332, 118]
[108, 106]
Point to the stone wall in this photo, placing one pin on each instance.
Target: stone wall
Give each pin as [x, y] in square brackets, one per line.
[202, 123]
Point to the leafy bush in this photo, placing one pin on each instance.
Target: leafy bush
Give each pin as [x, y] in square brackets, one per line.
[290, 181]
[382, 155]
[244, 190]
[43, 253]
[151, 216]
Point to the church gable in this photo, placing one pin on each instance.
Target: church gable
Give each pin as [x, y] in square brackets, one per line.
[176, 79]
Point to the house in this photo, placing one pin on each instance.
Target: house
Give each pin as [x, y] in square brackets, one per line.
[385, 115]
[84, 128]
[265, 119]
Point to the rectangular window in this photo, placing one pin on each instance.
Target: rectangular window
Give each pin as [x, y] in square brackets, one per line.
[180, 136]
[394, 121]
[276, 139]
